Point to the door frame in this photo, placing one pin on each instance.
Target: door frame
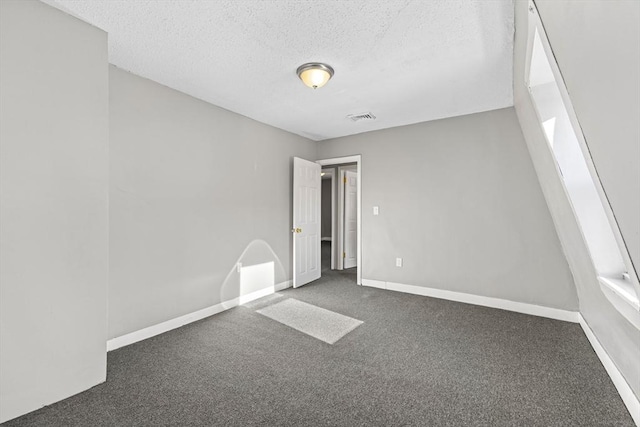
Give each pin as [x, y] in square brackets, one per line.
[343, 214]
[340, 220]
[357, 159]
[340, 210]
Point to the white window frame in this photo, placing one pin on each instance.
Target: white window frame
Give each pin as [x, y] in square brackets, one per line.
[623, 292]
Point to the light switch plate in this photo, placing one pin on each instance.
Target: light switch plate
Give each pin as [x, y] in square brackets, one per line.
[376, 210]
[398, 262]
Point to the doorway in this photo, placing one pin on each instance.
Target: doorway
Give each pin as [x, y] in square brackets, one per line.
[307, 233]
[346, 225]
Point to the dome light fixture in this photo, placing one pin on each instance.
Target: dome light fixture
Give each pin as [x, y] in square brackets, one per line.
[315, 74]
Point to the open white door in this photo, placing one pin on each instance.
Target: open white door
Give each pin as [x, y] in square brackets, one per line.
[306, 221]
[350, 219]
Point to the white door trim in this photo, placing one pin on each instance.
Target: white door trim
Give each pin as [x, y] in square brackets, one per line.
[332, 175]
[334, 220]
[349, 209]
[358, 160]
[340, 220]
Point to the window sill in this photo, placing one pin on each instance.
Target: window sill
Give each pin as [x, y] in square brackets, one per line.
[622, 296]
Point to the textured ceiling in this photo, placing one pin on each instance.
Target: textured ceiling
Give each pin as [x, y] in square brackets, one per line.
[404, 61]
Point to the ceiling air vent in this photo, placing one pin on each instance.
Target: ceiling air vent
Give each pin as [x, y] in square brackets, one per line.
[361, 116]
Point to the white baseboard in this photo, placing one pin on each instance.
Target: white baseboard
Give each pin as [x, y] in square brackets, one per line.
[374, 283]
[325, 239]
[519, 307]
[243, 299]
[284, 285]
[626, 393]
[160, 328]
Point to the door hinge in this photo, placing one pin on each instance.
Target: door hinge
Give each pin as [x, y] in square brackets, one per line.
[344, 179]
[344, 254]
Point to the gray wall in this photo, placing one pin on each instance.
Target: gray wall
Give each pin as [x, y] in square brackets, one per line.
[597, 44]
[460, 202]
[53, 206]
[194, 189]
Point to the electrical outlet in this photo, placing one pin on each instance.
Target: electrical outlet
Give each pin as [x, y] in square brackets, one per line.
[238, 267]
[398, 262]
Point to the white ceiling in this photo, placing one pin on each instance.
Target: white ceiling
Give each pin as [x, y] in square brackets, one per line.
[404, 61]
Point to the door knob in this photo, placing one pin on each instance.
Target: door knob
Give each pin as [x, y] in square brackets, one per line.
[296, 230]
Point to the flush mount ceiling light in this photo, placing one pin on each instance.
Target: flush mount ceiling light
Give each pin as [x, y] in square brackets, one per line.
[315, 74]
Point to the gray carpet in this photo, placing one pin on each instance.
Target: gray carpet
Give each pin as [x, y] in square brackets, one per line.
[415, 361]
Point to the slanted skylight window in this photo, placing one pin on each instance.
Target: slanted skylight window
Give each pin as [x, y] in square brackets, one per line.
[590, 205]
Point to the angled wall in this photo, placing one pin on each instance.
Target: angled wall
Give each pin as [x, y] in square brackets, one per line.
[460, 203]
[597, 47]
[53, 206]
[194, 189]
